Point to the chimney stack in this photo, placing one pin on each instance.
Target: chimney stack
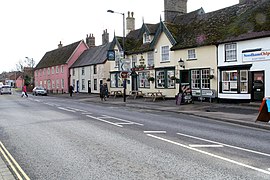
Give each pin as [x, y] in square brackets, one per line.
[60, 45]
[105, 37]
[130, 21]
[90, 40]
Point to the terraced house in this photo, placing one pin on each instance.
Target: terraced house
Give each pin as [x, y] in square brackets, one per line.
[210, 52]
[52, 72]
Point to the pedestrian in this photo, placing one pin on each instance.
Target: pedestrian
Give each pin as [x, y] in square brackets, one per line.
[24, 91]
[106, 92]
[101, 92]
[70, 90]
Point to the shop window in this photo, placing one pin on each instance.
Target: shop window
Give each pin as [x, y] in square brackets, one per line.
[116, 80]
[244, 81]
[200, 79]
[164, 78]
[232, 78]
[143, 79]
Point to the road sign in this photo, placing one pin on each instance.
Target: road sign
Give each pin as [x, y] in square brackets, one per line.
[124, 74]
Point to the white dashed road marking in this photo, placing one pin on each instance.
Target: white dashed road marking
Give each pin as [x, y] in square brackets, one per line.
[204, 145]
[210, 154]
[154, 132]
[104, 121]
[69, 110]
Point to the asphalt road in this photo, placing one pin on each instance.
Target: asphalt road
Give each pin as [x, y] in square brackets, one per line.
[54, 138]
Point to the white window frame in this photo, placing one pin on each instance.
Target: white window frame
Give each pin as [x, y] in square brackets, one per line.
[165, 53]
[191, 54]
[150, 58]
[230, 52]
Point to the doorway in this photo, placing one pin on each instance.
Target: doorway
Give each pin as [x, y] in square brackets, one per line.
[134, 80]
[258, 84]
[89, 86]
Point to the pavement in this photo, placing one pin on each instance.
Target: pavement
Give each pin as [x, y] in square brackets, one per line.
[237, 113]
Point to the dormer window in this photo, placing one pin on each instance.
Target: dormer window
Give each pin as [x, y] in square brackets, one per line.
[146, 38]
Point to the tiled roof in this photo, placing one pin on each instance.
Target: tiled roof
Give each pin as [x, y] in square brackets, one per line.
[238, 22]
[134, 40]
[197, 28]
[92, 56]
[58, 56]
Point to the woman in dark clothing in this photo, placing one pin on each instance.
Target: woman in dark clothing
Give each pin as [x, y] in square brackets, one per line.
[70, 90]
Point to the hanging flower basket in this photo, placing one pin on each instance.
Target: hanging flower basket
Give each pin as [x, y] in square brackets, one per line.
[151, 79]
[211, 76]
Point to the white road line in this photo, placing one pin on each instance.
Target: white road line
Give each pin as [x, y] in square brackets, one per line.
[106, 116]
[154, 132]
[204, 145]
[210, 154]
[227, 145]
[87, 113]
[80, 110]
[66, 109]
[104, 121]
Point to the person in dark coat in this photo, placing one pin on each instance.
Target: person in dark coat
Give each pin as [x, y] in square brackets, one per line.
[101, 92]
[70, 89]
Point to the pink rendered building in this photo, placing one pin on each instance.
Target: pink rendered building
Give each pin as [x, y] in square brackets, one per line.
[52, 72]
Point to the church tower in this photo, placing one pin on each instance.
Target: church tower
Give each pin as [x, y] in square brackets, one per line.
[172, 8]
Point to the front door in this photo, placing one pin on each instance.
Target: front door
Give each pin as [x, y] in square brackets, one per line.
[89, 86]
[134, 81]
[257, 85]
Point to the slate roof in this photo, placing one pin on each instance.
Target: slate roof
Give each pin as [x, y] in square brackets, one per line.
[134, 40]
[197, 28]
[235, 23]
[93, 56]
[58, 56]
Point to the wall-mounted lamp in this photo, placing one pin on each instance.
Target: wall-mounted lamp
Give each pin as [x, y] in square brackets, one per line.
[181, 63]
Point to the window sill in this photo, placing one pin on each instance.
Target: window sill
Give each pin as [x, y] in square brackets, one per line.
[192, 59]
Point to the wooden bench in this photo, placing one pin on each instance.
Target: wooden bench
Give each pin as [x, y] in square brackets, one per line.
[116, 93]
[154, 96]
[136, 94]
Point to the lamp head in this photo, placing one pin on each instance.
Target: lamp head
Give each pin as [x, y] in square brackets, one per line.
[181, 63]
[110, 11]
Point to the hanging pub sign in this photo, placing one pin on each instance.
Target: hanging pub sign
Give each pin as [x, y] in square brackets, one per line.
[111, 55]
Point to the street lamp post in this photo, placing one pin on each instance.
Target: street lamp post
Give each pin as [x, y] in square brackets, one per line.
[123, 48]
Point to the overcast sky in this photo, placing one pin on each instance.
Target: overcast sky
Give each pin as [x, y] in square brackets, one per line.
[30, 28]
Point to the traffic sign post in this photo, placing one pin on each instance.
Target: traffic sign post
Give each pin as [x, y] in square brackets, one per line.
[124, 75]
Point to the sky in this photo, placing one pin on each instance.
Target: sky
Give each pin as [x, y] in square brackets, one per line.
[30, 28]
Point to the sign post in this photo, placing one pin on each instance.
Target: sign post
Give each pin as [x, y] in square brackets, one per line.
[124, 75]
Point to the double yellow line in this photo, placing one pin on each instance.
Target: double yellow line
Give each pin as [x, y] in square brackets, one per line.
[13, 164]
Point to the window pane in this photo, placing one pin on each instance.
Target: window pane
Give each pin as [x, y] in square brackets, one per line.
[160, 80]
[170, 82]
[165, 53]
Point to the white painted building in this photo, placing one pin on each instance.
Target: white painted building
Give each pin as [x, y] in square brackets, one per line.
[244, 69]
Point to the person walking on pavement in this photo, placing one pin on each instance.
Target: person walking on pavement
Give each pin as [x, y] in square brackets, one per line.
[70, 89]
[102, 92]
[24, 91]
[106, 92]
